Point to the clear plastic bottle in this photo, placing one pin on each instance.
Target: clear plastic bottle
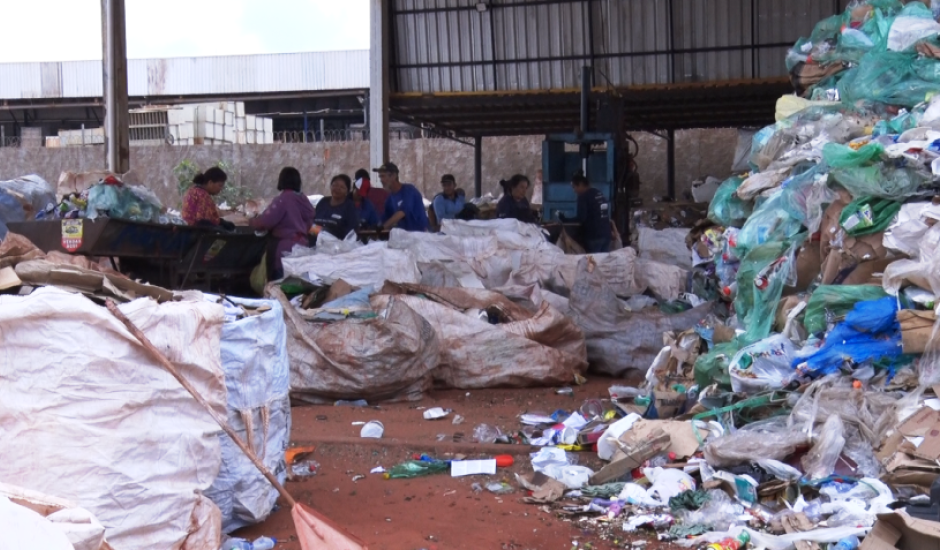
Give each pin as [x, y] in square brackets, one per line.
[848, 543]
[264, 543]
[416, 468]
[236, 544]
[484, 433]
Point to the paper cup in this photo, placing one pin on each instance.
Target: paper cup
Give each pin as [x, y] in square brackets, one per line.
[434, 413]
[373, 429]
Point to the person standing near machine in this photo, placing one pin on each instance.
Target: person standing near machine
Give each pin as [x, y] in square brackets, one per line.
[593, 215]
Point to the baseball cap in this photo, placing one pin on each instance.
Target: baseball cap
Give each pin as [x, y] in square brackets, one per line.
[387, 167]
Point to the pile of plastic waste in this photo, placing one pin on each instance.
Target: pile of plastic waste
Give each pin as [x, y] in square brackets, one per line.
[803, 409]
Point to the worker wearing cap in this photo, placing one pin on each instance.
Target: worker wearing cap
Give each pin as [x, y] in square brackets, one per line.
[404, 207]
[448, 203]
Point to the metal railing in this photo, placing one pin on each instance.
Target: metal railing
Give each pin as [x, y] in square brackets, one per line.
[355, 134]
[160, 136]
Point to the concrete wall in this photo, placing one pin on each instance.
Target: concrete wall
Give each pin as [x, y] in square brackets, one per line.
[422, 161]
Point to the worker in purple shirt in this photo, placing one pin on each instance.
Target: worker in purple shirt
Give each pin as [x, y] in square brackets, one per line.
[288, 218]
[404, 207]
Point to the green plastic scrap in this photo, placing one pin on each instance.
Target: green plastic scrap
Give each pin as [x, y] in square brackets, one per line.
[688, 500]
[834, 301]
[837, 155]
[683, 531]
[880, 180]
[606, 490]
[712, 367]
[726, 209]
[868, 215]
[761, 278]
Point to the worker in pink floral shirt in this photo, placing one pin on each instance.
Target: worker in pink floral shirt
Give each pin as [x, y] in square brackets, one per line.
[198, 207]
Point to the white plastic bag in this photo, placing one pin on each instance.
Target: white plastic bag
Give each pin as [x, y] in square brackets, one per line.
[91, 406]
[372, 264]
[764, 365]
[820, 461]
[607, 444]
[257, 376]
[667, 483]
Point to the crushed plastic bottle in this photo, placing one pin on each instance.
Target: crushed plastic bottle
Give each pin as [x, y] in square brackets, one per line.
[264, 543]
[236, 544]
[499, 488]
[417, 468]
[848, 543]
[484, 433]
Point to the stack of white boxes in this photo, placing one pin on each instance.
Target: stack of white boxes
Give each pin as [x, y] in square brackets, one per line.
[76, 138]
[214, 123]
[204, 124]
[226, 122]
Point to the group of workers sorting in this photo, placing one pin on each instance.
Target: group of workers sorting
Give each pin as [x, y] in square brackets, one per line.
[354, 205]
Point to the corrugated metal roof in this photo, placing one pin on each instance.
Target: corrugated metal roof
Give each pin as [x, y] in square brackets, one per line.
[453, 46]
[313, 71]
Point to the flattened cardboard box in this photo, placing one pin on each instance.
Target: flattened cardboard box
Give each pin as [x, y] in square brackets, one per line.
[916, 329]
[902, 532]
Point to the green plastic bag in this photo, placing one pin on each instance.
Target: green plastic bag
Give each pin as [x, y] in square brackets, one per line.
[726, 209]
[893, 78]
[880, 180]
[834, 301]
[801, 200]
[868, 215]
[712, 367]
[763, 274]
[843, 156]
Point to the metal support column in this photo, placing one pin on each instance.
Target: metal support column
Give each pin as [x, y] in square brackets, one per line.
[671, 164]
[114, 69]
[378, 83]
[478, 167]
[306, 128]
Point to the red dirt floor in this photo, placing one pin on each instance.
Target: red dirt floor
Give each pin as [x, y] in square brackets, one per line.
[434, 512]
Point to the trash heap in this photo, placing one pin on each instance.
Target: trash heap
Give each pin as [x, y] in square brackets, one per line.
[804, 407]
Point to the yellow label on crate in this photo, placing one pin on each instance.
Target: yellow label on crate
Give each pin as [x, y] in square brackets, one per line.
[72, 231]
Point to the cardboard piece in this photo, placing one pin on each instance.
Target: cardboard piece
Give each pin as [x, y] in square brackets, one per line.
[784, 308]
[681, 434]
[42, 272]
[906, 478]
[929, 449]
[916, 329]
[669, 403]
[8, 278]
[902, 532]
[919, 423]
[903, 461]
[337, 290]
[636, 451]
[807, 267]
[797, 523]
[723, 334]
[868, 273]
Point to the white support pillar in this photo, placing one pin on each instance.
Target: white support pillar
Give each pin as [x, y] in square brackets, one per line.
[114, 70]
[378, 84]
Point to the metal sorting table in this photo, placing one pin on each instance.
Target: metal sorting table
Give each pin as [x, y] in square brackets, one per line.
[172, 256]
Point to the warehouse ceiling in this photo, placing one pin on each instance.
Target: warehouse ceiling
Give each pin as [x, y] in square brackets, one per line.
[512, 67]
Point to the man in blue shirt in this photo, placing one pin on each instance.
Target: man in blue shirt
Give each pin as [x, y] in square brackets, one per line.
[448, 203]
[404, 207]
